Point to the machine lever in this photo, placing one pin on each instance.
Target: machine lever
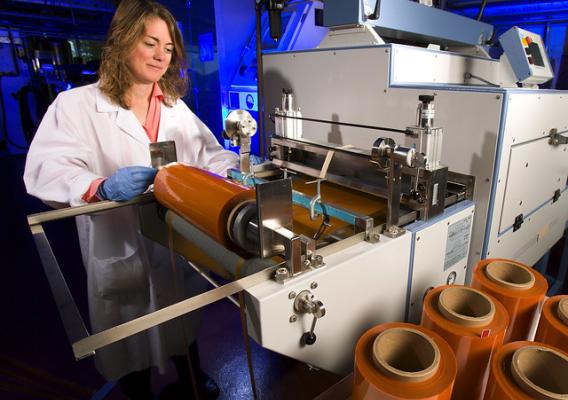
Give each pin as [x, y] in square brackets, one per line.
[306, 303]
[310, 337]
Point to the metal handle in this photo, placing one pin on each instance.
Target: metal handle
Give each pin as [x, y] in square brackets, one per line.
[306, 303]
[315, 200]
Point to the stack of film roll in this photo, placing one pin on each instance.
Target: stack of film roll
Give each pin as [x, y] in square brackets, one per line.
[527, 370]
[518, 287]
[398, 361]
[553, 324]
[473, 324]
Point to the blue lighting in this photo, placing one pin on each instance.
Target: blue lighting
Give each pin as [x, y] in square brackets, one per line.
[206, 47]
[551, 10]
[47, 67]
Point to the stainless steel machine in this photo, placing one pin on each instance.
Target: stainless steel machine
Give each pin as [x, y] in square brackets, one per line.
[391, 169]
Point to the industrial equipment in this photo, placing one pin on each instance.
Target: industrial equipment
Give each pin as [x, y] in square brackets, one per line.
[385, 162]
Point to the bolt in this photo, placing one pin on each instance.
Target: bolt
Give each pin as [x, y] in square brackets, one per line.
[281, 274]
[314, 285]
[291, 295]
[293, 318]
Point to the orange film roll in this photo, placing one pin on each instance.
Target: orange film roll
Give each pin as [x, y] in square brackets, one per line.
[527, 371]
[204, 199]
[403, 361]
[518, 287]
[474, 324]
[553, 324]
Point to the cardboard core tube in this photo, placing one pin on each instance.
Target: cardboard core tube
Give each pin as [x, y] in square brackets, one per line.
[405, 354]
[541, 372]
[466, 306]
[510, 274]
[563, 310]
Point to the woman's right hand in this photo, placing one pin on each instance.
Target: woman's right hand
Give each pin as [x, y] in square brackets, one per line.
[126, 183]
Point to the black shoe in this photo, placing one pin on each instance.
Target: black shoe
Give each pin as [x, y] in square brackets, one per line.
[136, 385]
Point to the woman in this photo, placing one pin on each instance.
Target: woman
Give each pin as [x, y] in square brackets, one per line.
[92, 145]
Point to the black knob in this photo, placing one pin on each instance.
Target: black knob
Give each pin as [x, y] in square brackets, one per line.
[309, 338]
[426, 98]
[287, 91]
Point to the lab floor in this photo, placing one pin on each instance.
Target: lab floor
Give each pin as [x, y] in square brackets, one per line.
[36, 361]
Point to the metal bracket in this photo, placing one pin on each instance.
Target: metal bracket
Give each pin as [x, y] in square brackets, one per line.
[556, 195]
[163, 153]
[556, 138]
[519, 219]
[275, 223]
[367, 224]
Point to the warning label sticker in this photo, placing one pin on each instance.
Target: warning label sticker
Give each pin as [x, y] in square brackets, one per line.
[457, 243]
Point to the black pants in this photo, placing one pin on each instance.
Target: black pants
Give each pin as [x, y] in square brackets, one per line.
[137, 385]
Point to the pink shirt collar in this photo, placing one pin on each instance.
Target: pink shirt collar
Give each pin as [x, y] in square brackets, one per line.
[152, 124]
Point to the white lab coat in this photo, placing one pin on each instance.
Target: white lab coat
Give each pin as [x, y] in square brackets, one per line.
[83, 136]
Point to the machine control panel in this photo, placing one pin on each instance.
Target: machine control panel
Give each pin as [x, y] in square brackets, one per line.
[527, 56]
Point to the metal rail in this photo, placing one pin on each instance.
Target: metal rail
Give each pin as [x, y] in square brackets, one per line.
[323, 121]
[85, 345]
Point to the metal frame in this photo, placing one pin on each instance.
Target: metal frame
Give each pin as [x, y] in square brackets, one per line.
[362, 223]
[407, 20]
[84, 344]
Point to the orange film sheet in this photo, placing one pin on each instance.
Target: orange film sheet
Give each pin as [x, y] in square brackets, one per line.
[552, 329]
[521, 301]
[472, 345]
[370, 383]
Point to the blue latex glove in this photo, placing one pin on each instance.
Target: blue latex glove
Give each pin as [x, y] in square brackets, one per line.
[126, 183]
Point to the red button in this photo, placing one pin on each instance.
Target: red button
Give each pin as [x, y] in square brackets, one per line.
[529, 40]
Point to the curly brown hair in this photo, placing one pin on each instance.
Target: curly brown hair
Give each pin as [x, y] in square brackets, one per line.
[126, 29]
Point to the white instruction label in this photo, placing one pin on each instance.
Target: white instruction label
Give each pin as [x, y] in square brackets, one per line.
[457, 243]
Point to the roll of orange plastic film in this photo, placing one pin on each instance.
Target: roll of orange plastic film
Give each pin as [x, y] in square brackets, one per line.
[474, 324]
[518, 287]
[526, 371]
[206, 200]
[402, 361]
[553, 324]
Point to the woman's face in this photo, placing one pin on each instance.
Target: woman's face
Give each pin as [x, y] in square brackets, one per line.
[152, 55]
